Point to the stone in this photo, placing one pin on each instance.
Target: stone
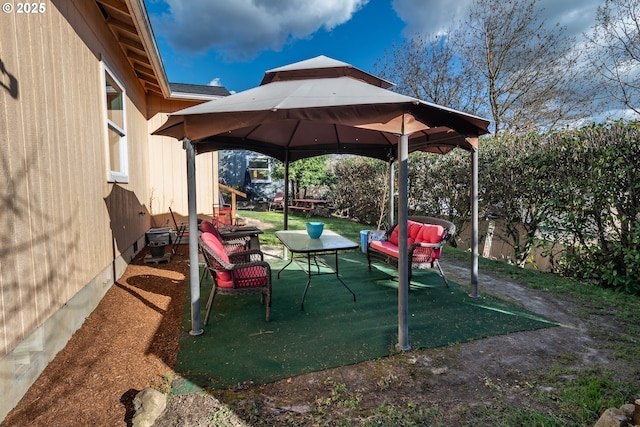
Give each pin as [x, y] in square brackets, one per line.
[628, 409]
[149, 405]
[612, 417]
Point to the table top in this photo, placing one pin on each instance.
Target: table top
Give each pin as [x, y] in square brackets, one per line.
[299, 241]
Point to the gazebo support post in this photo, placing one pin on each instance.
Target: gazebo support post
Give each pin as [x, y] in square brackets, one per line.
[403, 253]
[474, 223]
[194, 273]
[285, 206]
[392, 207]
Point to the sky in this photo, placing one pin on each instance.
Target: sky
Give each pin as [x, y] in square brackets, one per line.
[231, 43]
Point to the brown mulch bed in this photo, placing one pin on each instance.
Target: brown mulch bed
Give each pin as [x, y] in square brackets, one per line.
[128, 343]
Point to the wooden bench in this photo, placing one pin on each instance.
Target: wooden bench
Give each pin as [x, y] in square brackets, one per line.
[426, 238]
[299, 208]
[305, 209]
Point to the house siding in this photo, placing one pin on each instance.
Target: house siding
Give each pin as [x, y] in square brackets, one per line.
[67, 232]
[169, 170]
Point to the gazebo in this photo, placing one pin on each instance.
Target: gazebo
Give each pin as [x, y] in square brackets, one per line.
[322, 106]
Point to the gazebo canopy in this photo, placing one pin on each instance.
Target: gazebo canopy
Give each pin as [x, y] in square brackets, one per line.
[321, 106]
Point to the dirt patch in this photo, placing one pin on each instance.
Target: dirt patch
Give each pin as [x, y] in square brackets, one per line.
[131, 341]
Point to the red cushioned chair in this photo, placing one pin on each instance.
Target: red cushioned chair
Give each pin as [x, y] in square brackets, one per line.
[239, 273]
[426, 237]
[233, 244]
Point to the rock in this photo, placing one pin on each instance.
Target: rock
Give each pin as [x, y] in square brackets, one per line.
[612, 417]
[149, 405]
[628, 409]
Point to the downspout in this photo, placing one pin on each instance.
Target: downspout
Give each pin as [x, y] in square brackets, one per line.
[194, 273]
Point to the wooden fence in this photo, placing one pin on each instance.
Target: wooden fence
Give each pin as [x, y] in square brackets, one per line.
[493, 243]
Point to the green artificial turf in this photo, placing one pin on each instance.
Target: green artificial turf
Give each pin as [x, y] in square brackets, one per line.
[240, 346]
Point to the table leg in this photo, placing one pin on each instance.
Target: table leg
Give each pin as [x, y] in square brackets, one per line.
[341, 281]
[290, 261]
[315, 260]
[306, 288]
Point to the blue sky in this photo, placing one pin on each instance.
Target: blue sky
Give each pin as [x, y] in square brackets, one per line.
[232, 42]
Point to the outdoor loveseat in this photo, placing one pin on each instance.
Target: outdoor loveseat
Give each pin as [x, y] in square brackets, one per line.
[426, 237]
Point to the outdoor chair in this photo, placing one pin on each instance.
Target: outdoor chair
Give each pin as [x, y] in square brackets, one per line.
[240, 273]
[426, 238]
[233, 244]
[277, 202]
[181, 229]
[230, 246]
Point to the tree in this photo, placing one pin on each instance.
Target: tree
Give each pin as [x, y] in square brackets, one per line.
[504, 63]
[361, 189]
[516, 182]
[306, 174]
[597, 203]
[614, 51]
[428, 68]
[528, 69]
[440, 186]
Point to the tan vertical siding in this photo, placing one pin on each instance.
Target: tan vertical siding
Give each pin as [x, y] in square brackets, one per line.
[168, 182]
[58, 231]
[67, 230]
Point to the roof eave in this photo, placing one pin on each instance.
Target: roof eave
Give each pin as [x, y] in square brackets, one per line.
[145, 31]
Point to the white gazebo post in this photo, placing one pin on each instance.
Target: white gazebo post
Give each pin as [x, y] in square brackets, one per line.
[403, 252]
[474, 223]
[392, 207]
[194, 271]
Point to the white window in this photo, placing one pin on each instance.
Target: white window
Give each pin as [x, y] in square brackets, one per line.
[259, 169]
[117, 152]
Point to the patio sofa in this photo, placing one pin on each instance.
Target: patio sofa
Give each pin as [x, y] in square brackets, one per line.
[426, 238]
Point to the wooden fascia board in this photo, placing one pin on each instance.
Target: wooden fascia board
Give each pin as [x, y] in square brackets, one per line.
[145, 33]
[141, 59]
[144, 69]
[122, 25]
[134, 44]
[116, 5]
[145, 75]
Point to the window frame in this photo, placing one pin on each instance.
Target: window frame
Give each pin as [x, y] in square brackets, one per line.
[268, 169]
[121, 175]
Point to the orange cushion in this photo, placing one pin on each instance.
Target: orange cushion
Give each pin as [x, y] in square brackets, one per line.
[431, 233]
[250, 276]
[393, 237]
[386, 247]
[207, 227]
[413, 233]
[223, 278]
[215, 245]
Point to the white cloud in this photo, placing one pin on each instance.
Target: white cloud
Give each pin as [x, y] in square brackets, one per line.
[436, 16]
[241, 29]
[578, 16]
[215, 82]
[431, 16]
